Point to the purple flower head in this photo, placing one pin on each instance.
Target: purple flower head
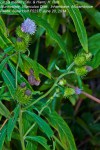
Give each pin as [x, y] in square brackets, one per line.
[28, 92]
[19, 39]
[23, 84]
[31, 71]
[37, 82]
[89, 68]
[28, 26]
[78, 91]
[33, 81]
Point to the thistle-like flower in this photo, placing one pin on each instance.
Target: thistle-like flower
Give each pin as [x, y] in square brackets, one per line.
[23, 95]
[28, 92]
[32, 79]
[69, 92]
[22, 85]
[28, 26]
[81, 71]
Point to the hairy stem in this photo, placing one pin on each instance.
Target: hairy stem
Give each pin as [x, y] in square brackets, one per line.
[21, 129]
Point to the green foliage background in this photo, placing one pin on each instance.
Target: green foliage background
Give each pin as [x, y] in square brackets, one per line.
[52, 118]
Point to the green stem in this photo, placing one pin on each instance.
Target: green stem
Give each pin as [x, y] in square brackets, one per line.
[29, 130]
[60, 77]
[79, 82]
[17, 68]
[21, 129]
[56, 139]
[37, 50]
[51, 89]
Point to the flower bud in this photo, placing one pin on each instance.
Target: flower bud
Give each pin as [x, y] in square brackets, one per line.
[81, 71]
[23, 84]
[80, 60]
[22, 95]
[28, 92]
[62, 82]
[19, 32]
[21, 46]
[68, 92]
[19, 39]
[88, 56]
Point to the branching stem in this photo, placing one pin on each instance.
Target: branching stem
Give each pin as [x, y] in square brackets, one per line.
[51, 89]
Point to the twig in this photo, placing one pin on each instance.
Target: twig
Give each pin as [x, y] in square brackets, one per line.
[78, 106]
[97, 4]
[3, 124]
[91, 97]
[83, 142]
[86, 94]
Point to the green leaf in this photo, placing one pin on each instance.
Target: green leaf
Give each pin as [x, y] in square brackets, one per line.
[96, 60]
[94, 43]
[30, 145]
[4, 111]
[84, 126]
[19, 75]
[11, 123]
[9, 80]
[5, 42]
[3, 27]
[94, 48]
[54, 23]
[3, 63]
[78, 22]
[64, 131]
[42, 124]
[92, 14]
[40, 140]
[2, 136]
[35, 66]
[55, 36]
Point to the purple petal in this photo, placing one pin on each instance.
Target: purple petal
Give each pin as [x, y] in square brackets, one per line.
[78, 91]
[28, 26]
